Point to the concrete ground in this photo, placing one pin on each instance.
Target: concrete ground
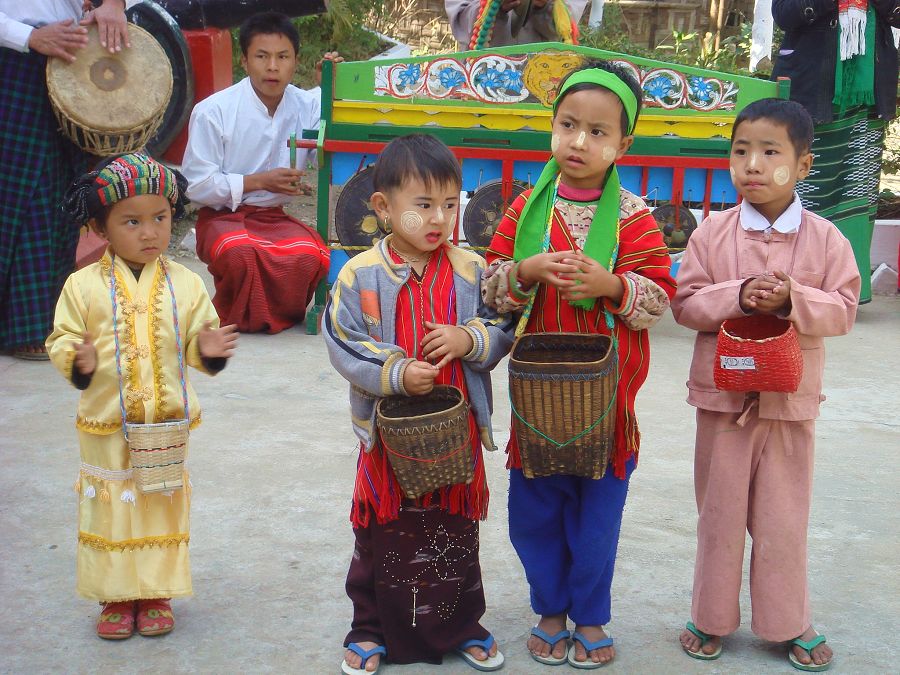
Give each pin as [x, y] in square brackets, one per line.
[272, 468]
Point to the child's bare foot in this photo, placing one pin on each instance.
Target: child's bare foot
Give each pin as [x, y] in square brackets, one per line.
[586, 636]
[819, 653]
[551, 625]
[367, 658]
[699, 644]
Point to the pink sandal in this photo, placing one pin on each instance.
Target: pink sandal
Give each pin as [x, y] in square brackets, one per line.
[154, 617]
[116, 621]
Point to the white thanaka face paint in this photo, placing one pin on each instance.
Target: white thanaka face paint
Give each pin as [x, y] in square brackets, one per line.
[733, 173]
[411, 221]
[753, 158]
[579, 142]
[554, 143]
[781, 175]
[608, 153]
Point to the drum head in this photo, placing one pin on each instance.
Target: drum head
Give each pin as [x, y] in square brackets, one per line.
[355, 222]
[112, 93]
[160, 24]
[676, 223]
[485, 211]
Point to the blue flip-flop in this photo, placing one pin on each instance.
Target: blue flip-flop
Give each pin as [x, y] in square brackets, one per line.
[551, 640]
[494, 662]
[704, 638]
[365, 655]
[589, 646]
[808, 646]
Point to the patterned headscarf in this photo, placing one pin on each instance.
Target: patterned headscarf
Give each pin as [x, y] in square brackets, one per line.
[121, 177]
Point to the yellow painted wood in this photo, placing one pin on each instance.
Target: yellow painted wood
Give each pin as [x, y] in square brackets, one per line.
[513, 119]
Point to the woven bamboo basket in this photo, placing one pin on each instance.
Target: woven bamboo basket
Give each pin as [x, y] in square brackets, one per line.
[427, 439]
[759, 352]
[157, 454]
[562, 388]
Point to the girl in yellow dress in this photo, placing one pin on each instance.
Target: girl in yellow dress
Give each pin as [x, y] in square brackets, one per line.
[124, 331]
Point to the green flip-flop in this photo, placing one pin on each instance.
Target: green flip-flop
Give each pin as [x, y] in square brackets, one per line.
[808, 646]
[704, 638]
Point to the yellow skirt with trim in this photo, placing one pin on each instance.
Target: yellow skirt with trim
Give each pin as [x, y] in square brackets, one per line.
[130, 545]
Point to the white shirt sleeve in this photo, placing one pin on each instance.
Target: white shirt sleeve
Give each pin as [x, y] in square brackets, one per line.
[204, 161]
[14, 34]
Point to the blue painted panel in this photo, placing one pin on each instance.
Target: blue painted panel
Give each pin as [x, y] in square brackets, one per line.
[345, 165]
[694, 185]
[630, 178]
[339, 258]
[659, 184]
[476, 172]
[527, 172]
[722, 189]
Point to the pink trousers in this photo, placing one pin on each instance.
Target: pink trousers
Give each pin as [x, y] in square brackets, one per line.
[752, 475]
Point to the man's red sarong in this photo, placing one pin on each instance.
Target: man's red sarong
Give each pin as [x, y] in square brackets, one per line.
[265, 265]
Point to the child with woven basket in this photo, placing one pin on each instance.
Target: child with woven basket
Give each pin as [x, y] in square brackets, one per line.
[578, 254]
[405, 318]
[125, 329]
[765, 261]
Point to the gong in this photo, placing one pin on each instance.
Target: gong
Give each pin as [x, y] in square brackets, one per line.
[158, 22]
[676, 223]
[355, 222]
[485, 211]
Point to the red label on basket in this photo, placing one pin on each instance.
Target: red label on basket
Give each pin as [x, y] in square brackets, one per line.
[737, 363]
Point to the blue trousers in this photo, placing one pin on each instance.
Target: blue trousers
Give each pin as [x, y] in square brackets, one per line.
[566, 532]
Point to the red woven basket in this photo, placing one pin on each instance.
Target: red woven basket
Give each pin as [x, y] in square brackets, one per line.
[759, 352]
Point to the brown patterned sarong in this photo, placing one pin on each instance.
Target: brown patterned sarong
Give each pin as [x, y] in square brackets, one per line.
[415, 583]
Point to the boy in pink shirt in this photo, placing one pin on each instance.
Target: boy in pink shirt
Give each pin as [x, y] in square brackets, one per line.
[753, 462]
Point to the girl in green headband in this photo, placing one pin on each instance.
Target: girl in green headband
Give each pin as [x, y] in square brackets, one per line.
[579, 254]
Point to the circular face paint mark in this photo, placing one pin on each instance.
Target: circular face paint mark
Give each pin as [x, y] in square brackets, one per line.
[608, 153]
[554, 143]
[781, 175]
[411, 221]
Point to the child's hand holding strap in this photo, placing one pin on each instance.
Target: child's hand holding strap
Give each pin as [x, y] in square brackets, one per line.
[446, 343]
[217, 342]
[591, 280]
[418, 378]
[86, 355]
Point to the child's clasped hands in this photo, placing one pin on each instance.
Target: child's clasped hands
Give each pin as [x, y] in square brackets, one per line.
[768, 293]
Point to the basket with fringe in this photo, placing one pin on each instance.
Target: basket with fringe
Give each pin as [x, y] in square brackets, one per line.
[157, 454]
[427, 439]
[759, 352]
[562, 388]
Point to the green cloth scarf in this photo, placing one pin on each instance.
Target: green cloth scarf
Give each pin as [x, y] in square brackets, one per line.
[532, 231]
[854, 78]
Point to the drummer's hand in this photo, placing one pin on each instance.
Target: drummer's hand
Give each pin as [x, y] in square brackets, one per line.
[217, 343]
[111, 24]
[443, 343]
[282, 181]
[509, 5]
[61, 39]
[334, 57]
[418, 378]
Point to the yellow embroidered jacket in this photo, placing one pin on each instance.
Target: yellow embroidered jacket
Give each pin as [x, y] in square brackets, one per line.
[151, 380]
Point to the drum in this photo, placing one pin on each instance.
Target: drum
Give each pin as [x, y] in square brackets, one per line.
[109, 104]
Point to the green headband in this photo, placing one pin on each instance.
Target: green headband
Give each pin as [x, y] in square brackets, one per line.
[607, 80]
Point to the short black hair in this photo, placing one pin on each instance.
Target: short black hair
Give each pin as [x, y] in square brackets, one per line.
[415, 156]
[788, 114]
[619, 71]
[268, 23]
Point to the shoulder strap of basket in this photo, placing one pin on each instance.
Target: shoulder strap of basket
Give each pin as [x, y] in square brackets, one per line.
[112, 295]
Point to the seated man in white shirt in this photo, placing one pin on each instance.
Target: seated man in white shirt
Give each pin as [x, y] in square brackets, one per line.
[265, 264]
